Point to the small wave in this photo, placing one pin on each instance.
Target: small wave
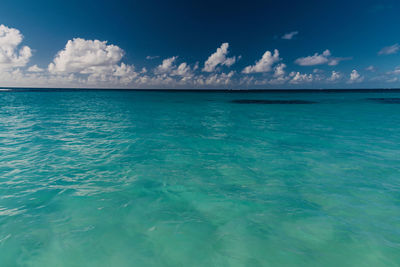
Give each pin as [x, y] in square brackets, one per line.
[10, 212]
[5, 89]
[5, 238]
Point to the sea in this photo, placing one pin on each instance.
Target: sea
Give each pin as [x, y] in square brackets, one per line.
[199, 178]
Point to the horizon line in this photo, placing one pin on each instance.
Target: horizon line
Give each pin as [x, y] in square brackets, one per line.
[49, 89]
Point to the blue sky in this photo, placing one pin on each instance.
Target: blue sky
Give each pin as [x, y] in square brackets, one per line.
[200, 44]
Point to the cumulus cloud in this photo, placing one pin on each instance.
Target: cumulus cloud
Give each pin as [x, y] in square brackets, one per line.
[335, 76]
[94, 58]
[298, 78]
[247, 80]
[290, 35]
[279, 76]
[219, 58]
[264, 64]
[125, 73]
[10, 56]
[85, 56]
[280, 70]
[389, 50]
[184, 70]
[219, 79]
[355, 77]
[35, 68]
[278, 80]
[320, 59]
[166, 66]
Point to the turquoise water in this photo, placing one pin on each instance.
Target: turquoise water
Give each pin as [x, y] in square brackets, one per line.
[112, 178]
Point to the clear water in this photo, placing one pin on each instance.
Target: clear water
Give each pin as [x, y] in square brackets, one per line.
[111, 178]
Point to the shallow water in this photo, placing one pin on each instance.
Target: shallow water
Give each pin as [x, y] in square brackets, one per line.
[112, 178]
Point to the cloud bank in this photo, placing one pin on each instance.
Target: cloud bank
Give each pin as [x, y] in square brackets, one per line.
[99, 64]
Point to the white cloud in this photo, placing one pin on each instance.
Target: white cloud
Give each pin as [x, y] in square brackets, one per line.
[10, 56]
[320, 59]
[152, 57]
[388, 50]
[166, 66]
[168, 69]
[219, 58]
[219, 79]
[264, 64]
[393, 80]
[246, 80]
[389, 77]
[126, 73]
[396, 71]
[290, 35]
[35, 68]
[355, 77]
[371, 68]
[318, 71]
[336, 60]
[316, 59]
[94, 58]
[278, 80]
[298, 78]
[184, 70]
[335, 76]
[280, 70]
[86, 56]
[183, 75]
[18, 77]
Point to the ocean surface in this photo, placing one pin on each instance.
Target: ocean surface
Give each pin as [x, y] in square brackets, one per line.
[130, 178]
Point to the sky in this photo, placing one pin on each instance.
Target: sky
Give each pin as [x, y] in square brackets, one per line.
[200, 44]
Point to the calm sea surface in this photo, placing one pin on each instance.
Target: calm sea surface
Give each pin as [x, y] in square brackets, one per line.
[114, 178]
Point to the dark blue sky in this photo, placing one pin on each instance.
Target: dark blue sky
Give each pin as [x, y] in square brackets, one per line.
[354, 32]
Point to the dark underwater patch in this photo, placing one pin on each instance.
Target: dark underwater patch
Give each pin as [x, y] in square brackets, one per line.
[386, 100]
[272, 102]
